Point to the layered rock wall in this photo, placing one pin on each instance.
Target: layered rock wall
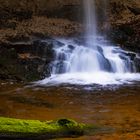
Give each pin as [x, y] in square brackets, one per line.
[23, 22]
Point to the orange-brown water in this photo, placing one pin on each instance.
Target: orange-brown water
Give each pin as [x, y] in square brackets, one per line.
[115, 107]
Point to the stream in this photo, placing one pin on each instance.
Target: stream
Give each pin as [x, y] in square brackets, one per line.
[115, 106]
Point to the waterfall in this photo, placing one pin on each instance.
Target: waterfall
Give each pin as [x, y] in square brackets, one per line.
[97, 55]
[75, 58]
[90, 22]
[95, 60]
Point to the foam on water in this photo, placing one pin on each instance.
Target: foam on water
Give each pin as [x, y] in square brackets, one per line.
[80, 65]
[101, 78]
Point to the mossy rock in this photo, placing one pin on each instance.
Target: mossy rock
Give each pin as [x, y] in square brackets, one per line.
[35, 129]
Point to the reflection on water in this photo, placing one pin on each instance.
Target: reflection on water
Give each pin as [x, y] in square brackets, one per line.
[117, 107]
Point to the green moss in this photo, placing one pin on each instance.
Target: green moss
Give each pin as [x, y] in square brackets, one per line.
[52, 129]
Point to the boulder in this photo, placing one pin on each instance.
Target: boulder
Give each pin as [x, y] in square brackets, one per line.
[24, 61]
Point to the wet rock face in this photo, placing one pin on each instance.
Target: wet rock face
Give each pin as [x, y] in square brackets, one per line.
[123, 9]
[119, 13]
[25, 9]
[118, 10]
[137, 63]
[127, 35]
[27, 18]
[26, 61]
[124, 18]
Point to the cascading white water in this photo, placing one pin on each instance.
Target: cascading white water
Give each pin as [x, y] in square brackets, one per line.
[74, 58]
[94, 61]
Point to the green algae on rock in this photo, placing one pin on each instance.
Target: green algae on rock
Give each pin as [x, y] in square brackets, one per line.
[19, 129]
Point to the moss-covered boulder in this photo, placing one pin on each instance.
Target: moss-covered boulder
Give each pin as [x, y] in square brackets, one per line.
[34, 129]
